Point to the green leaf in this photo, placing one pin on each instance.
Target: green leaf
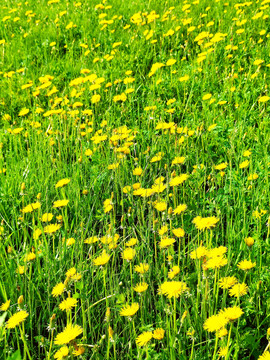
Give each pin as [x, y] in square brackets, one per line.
[15, 356]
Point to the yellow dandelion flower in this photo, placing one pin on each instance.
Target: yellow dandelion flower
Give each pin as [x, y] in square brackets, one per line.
[102, 259]
[227, 282]
[60, 203]
[129, 310]
[172, 289]
[246, 265]
[128, 254]
[58, 289]
[200, 252]
[158, 334]
[166, 242]
[205, 223]
[79, 351]
[142, 268]
[5, 306]
[68, 304]
[238, 290]
[161, 206]
[232, 313]
[52, 228]
[140, 288]
[16, 319]
[70, 333]
[244, 164]
[215, 323]
[47, 217]
[265, 356]
[178, 180]
[61, 353]
[144, 338]
[216, 262]
[179, 209]
[31, 207]
[62, 183]
[173, 272]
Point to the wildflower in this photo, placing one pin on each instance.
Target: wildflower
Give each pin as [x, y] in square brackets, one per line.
[238, 290]
[178, 160]
[16, 319]
[216, 262]
[79, 351]
[232, 313]
[246, 265]
[58, 289]
[144, 338]
[31, 207]
[71, 272]
[221, 166]
[95, 99]
[137, 171]
[5, 306]
[205, 223]
[180, 208]
[47, 217]
[140, 288]
[70, 333]
[265, 356]
[107, 204]
[166, 242]
[244, 164]
[128, 254]
[131, 242]
[61, 353]
[249, 241]
[52, 228]
[62, 183]
[215, 323]
[69, 241]
[173, 272]
[31, 256]
[207, 96]
[200, 252]
[67, 304]
[253, 177]
[158, 334]
[227, 282]
[91, 240]
[218, 251]
[263, 99]
[142, 268]
[223, 352]
[161, 206]
[60, 203]
[172, 289]
[178, 180]
[102, 259]
[129, 310]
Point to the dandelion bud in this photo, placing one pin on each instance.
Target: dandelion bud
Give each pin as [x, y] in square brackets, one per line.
[20, 301]
[249, 241]
[23, 186]
[184, 316]
[38, 196]
[110, 331]
[85, 192]
[170, 210]
[10, 249]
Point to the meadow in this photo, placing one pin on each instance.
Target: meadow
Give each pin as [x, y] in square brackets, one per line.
[134, 180]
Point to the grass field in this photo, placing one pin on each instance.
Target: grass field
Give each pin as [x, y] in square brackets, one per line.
[134, 179]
